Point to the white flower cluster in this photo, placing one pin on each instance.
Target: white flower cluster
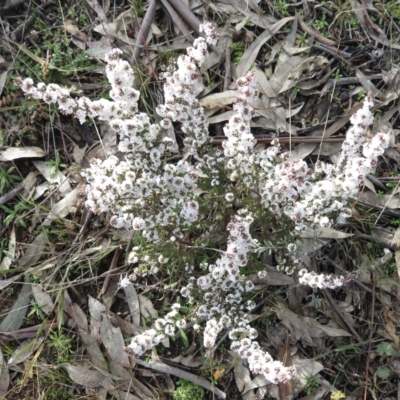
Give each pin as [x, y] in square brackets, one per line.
[163, 327]
[321, 281]
[180, 102]
[168, 203]
[260, 362]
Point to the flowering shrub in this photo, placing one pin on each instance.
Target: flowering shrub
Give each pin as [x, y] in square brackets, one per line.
[214, 211]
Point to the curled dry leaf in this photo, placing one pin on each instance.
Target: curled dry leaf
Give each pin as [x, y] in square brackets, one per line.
[71, 27]
[14, 153]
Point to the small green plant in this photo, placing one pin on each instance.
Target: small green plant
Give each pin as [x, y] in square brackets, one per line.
[383, 372]
[56, 164]
[321, 23]
[312, 384]
[188, 391]
[337, 74]
[282, 6]
[62, 344]
[138, 8]
[237, 50]
[36, 310]
[361, 95]
[384, 348]
[302, 40]
[7, 178]
[17, 213]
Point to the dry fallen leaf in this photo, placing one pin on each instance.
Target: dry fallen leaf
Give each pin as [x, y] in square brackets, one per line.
[71, 27]
[6, 261]
[43, 299]
[25, 350]
[88, 378]
[14, 153]
[312, 72]
[3, 73]
[306, 328]
[146, 307]
[97, 9]
[133, 303]
[4, 376]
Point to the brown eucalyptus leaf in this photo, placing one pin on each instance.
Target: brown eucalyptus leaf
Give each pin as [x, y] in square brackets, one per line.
[241, 373]
[3, 73]
[325, 233]
[312, 72]
[79, 317]
[302, 151]
[189, 361]
[142, 390]
[113, 341]
[94, 351]
[25, 350]
[15, 317]
[280, 75]
[146, 307]
[385, 200]
[97, 9]
[133, 303]
[218, 100]
[306, 328]
[4, 376]
[305, 369]
[252, 51]
[57, 178]
[43, 299]
[117, 28]
[6, 261]
[367, 84]
[72, 28]
[88, 378]
[121, 395]
[14, 153]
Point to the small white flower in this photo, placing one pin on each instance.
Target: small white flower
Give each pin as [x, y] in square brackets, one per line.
[124, 282]
[229, 197]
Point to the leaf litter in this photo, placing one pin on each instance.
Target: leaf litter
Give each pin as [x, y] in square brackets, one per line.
[292, 77]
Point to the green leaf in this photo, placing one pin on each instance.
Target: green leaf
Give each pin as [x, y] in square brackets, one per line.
[383, 373]
[184, 338]
[384, 348]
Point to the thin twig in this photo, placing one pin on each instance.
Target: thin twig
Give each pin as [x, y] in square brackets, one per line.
[340, 314]
[358, 283]
[370, 335]
[144, 31]
[107, 280]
